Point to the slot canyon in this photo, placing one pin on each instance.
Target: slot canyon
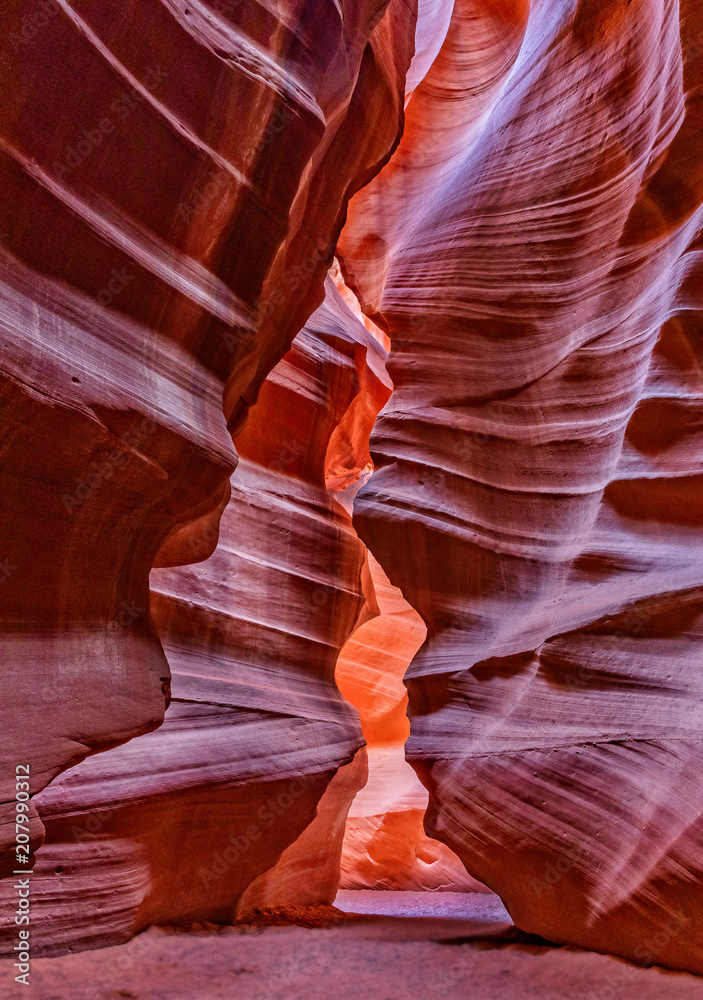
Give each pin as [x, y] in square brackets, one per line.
[351, 448]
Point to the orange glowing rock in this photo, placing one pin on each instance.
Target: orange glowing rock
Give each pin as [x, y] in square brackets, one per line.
[385, 846]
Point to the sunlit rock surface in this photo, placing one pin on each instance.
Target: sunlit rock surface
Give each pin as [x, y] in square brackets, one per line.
[533, 250]
[174, 178]
[175, 826]
[385, 846]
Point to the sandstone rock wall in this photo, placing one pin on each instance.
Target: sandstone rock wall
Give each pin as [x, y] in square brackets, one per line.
[174, 178]
[175, 826]
[533, 250]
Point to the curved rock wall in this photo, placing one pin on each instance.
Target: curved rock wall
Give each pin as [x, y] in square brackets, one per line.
[533, 249]
[385, 846]
[175, 826]
[174, 178]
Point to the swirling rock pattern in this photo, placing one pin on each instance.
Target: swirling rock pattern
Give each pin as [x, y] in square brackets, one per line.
[385, 846]
[174, 178]
[176, 826]
[533, 249]
[176, 175]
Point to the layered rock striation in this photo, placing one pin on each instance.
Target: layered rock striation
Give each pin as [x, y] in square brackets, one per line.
[533, 250]
[385, 846]
[174, 179]
[174, 827]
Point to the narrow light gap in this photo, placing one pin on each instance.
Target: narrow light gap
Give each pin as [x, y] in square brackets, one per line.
[385, 846]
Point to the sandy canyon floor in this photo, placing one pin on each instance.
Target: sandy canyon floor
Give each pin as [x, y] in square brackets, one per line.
[416, 946]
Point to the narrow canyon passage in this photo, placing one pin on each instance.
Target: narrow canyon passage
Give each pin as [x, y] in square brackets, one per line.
[385, 846]
[351, 464]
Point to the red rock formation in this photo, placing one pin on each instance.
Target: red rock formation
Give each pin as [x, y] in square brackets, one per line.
[174, 178]
[308, 872]
[533, 249]
[176, 175]
[385, 846]
[175, 826]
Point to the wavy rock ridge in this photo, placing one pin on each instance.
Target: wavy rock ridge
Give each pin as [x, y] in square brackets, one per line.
[175, 176]
[532, 249]
[176, 826]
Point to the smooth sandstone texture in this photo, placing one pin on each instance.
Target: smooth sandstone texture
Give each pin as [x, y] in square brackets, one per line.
[533, 250]
[385, 846]
[174, 179]
[176, 826]
[366, 958]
